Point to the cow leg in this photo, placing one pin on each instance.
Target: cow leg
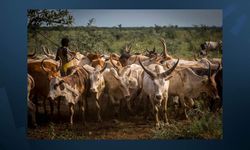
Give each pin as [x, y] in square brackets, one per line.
[51, 107]
[58, 106]
[115, 105]
[147, 106]
[183, 106]
[82, 112]
[156, 113]
[99, 119]
[71, 110]
[165, 103]
[31, 108]
[35, 101]
[44, 106]
[189, 102]
[129, 107]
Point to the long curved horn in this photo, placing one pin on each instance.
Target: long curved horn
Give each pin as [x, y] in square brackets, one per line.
[32, 80]
[88, 72]
[126, 48]
[60, 65]
[209, 69]
[111, 60]
[130, 46]
[43, 67]
[165, 53]
[33, 54]
[168, 72]
[217, 70]
[46, 52]
[150, 73]
[103, 68]
[195, 58]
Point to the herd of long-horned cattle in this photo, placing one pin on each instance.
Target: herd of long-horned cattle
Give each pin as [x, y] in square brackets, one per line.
[137, 84]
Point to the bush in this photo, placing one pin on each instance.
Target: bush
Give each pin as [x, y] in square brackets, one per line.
[209, 126]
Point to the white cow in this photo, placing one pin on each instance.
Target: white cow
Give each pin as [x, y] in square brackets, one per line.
[116, 88]
[97, 85]
[155, 87]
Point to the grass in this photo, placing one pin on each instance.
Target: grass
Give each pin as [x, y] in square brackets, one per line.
[207, 126]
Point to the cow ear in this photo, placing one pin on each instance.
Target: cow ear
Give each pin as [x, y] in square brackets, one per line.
[114, 73]
[61, 82]
[205, 79]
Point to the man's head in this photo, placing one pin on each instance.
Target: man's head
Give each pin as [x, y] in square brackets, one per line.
[65, 42]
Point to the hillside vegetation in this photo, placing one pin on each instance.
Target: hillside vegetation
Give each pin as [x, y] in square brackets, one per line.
[181, 42]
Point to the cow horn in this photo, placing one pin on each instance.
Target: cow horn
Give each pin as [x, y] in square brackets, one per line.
[88, 72]
[33, 54]
[209, 69]
[111, 60]
[150, 73]
[43, 67]
[46, 52]
[195, 58]
[126, 48]
[103, 68]
[32, 80]
[165, 53]
[218, 68]
[168, 72]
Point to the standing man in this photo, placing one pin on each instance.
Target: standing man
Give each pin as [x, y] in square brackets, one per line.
[64, 54]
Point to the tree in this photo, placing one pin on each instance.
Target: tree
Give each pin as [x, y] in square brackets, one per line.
[91, 22]
[120, 26]
[38, 18]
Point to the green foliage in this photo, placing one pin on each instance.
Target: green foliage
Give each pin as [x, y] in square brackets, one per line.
[209, 126]
[91, 22]
[39, 17]
[181, 42]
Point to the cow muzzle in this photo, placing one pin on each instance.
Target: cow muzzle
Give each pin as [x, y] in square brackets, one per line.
[93, 90]
[158, 97]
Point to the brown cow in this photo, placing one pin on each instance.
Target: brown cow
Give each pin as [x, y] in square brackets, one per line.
[186, 84]
[41, 77]
[72, 88]
[31, 106]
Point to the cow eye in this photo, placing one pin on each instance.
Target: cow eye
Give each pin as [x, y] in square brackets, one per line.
[62, 87]
[55, 86]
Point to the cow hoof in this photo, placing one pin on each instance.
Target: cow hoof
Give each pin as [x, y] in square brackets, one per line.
[115, 121]
[166, 124]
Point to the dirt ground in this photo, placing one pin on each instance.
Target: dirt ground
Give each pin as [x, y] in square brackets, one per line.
[58, 127]
[125, 128]
[112, 129]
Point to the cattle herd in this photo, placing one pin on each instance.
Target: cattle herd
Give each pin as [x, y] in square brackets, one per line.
[138, 83]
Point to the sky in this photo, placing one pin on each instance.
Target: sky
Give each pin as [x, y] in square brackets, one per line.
[147, 17]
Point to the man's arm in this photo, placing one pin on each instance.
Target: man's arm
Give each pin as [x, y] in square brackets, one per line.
[57, 54]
